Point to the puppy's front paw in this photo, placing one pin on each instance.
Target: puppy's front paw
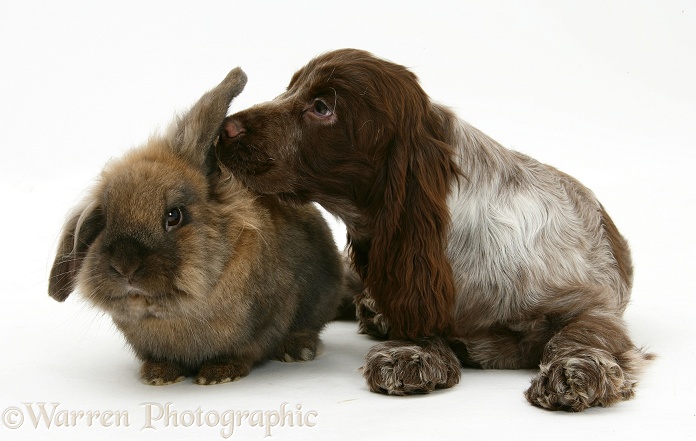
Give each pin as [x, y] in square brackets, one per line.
[576, 381]
[218, 373]
[156, 373]
[400, 367]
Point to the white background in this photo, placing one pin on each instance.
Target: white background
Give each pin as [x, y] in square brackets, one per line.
[603, 90]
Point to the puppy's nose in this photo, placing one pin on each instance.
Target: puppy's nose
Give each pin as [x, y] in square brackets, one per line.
[234, 128]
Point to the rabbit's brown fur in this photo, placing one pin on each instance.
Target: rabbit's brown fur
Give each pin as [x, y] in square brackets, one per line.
[203, 277]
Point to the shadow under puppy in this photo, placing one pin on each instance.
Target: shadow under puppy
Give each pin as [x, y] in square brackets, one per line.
[203, 278]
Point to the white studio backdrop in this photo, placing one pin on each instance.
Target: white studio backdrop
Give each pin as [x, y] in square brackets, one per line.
[603, 90]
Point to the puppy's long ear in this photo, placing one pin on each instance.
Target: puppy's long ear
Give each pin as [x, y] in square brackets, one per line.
[78, 234]
[411, 232]
[192, 134]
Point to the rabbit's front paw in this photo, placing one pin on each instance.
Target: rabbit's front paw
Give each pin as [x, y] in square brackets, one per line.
[217, 373]
[156, 373]
[299, 346]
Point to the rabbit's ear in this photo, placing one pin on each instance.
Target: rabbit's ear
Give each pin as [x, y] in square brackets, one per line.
[192, 134]
[78, 234]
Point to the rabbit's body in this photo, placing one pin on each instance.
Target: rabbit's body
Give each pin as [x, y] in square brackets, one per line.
[202, 277]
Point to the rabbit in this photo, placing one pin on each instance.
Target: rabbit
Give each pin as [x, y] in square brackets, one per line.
[204, 278]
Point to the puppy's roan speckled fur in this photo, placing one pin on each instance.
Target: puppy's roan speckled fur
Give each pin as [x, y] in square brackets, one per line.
[203, 277]
[468, 250]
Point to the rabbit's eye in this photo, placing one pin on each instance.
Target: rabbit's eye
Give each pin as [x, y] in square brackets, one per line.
[173, 218]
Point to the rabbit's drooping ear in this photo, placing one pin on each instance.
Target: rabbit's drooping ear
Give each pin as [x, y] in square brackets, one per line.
[192, 134]
[78, 234]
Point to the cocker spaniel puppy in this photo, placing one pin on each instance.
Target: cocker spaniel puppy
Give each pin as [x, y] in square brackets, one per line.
[471, 254]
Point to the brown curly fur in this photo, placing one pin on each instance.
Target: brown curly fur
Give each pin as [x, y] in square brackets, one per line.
[465, 247]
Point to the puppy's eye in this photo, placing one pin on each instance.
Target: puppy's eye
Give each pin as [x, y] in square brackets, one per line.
[173, 218]
[320, 108]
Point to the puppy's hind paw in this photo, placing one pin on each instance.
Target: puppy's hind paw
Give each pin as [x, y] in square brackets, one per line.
[370, 320]
[400, 367]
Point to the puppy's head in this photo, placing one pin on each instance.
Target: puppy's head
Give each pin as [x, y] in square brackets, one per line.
[330, 136]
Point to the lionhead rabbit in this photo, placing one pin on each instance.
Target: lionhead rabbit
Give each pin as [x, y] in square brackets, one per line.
[203, 277]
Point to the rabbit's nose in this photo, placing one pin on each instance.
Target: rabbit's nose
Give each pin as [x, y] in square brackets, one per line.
[126, 268]
[128, 259]
[234, 128]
